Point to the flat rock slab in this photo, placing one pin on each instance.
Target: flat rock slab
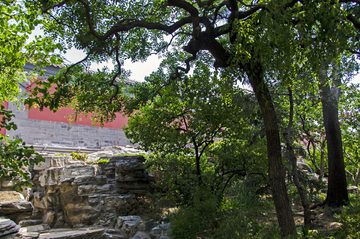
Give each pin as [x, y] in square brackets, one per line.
[6, 196]
[73, 234]
[35, 228]
[26, 223]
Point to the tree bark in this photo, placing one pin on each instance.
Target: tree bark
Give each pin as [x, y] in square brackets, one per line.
[356, 181]
[292, 159]
[276, 168]
[337, 188]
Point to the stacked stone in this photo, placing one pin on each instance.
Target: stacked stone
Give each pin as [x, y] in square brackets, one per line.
[14, 206]
[8, 228]
[66, 194]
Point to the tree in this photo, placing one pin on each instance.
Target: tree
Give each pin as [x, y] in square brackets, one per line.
[349, 123]
[254, 39]
[18, 21]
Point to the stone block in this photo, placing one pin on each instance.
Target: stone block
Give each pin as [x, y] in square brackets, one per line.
[10, 196]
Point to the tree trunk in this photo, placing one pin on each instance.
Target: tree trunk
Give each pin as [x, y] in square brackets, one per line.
[322, 160]
[293, 161]
[356, 181]
[337, 188]
[276, 168]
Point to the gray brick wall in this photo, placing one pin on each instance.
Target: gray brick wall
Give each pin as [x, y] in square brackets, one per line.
[50, 133]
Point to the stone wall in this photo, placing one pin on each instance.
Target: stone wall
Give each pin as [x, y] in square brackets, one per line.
[73, 194]
[50, 133]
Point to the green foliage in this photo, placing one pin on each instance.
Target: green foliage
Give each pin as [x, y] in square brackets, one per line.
[350, 219]
[77, 156]
[238, 215]
[349, 123]
[59, 154]
[18, 20]
[177, 178]
[15, 157]
[103, 161]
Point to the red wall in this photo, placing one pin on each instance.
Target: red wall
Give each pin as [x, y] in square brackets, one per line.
[60, 116]
[2, 130]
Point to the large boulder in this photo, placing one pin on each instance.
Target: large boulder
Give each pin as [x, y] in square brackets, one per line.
[78, 195]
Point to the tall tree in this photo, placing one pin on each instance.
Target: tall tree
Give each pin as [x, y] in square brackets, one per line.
[254, 38]
[17, 23]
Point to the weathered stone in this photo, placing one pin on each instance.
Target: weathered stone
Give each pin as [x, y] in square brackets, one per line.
[141, 235]
[129, 225]
[53, 161]
[113, 234]
[56, 176]
[35, 228]
[6, 225]
[49, 218]
[80, 195]
[138, 175]
[26, 223]
[87, 190]
[9, 236]
[128, 163]
[161, 231]
[353, 189]
[10, 196]
[29, 235]
[7, 182]
[85, 180]
[16, 210]
[81, 214]
[73, 234]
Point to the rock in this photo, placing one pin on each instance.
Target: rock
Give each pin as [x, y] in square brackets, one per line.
[34, 228]
[86, 180]
[49, 218]
[129, 225]
[129, 163]
[353, 189]
[164, 220]
[8, 228]
[16, 210]
[80, 195]
[335, 225]
[10, 196]
[56, 176]
[25, 223]
[161, 231]
[141, 235]
[53, 161]
[73, 234]
[113, 233]
[29, 235]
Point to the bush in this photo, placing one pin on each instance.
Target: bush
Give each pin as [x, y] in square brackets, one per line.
[238, 215]
[350, 219]
[177, 179]
[77, 156]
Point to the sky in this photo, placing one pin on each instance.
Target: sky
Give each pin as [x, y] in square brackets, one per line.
[138, 70]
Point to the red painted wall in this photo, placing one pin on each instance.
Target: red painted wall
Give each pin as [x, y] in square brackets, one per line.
[60, 116]
[3, 131]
